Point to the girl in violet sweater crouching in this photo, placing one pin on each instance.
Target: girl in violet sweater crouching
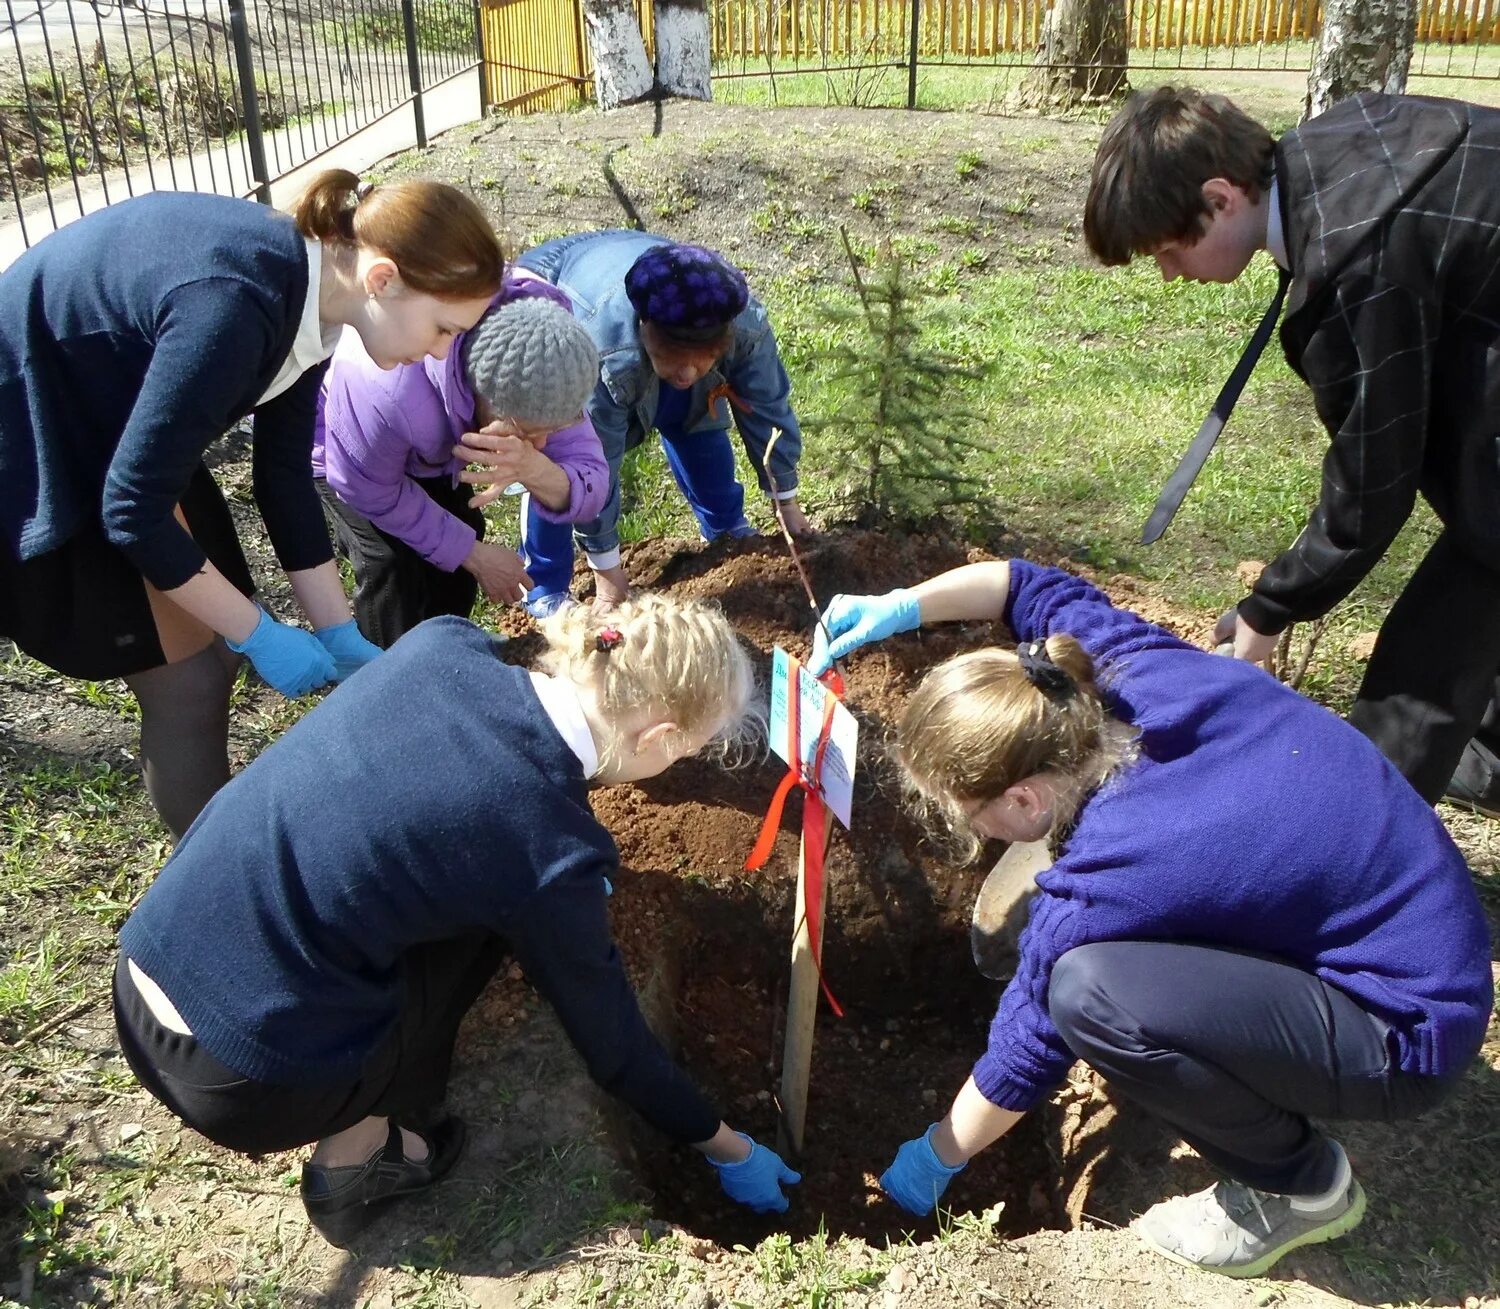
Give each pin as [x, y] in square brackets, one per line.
[391, 448]
[298, 971]
[1252, 920]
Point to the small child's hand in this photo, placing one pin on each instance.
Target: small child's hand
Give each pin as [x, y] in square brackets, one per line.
[851, 621]
[917, 1178]
[757, 1180]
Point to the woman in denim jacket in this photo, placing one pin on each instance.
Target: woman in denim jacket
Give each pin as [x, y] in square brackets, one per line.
[682, 345]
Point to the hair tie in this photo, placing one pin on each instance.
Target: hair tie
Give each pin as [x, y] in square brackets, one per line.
[608, 639]
[362, 191]
[1052, 680]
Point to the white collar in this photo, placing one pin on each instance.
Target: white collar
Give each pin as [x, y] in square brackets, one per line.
[1275, 237]
[564, 707]
[315, 340]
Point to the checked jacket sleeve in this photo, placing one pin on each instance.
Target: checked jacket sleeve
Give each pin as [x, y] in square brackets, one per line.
[1369, 359]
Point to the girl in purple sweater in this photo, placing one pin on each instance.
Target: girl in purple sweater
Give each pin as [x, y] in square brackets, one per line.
[1252, 920]
[391, 447]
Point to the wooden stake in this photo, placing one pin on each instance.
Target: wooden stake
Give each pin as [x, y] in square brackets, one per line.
[802, 1002]
[801, 1007]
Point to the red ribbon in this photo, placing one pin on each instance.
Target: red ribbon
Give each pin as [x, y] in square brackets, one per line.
[814, 813]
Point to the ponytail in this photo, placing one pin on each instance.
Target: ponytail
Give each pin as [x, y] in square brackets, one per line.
[981, 722]
[678, 658]
[438, 238]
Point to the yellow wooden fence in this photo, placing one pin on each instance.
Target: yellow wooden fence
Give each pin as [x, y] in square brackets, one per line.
[802, 29]
[537, 58]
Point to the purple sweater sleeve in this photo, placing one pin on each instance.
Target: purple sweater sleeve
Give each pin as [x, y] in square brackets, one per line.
[1044, 601]
[368, 437]
[576, 450]
[1026, 1056]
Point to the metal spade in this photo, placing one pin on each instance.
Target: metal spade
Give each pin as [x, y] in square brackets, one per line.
[1001, 909]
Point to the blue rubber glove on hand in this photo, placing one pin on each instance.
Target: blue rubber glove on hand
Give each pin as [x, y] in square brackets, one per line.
[347, 644]
[856, 620]
[917, 1179]
[757, 1181]
[288, 659]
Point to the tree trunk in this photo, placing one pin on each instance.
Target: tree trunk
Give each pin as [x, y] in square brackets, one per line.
[622, 73]
[682, 48]
[1365, 45]
[1081, 59]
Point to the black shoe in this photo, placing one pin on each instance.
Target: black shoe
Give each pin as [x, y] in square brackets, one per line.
[1456, 793]
[1475, 784]
[342, 1202]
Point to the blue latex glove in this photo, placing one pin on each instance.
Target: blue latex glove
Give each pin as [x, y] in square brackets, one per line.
[347, 645]
[288, 659]
[856, 620]
[917, 1179]
[757, 1181]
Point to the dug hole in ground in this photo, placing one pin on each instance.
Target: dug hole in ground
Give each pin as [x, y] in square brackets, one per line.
[708, 943]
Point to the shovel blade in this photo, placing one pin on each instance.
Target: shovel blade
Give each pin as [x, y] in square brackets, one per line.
[1001, 909]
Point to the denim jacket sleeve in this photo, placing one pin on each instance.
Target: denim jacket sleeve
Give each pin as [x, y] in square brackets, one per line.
[755, 373]
[609, 411]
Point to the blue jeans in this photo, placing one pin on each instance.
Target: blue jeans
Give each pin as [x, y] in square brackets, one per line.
[702, 464]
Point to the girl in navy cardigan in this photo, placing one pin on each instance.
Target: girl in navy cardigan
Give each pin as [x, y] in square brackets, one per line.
[130, 341]
[1252, 918]
[299, 969]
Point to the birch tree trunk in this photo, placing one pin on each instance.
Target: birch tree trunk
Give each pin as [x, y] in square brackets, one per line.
[682, 48]
[622, 73]
[1081, 59]
[1365, 45]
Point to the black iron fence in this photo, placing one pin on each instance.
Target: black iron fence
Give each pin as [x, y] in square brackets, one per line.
[102, 99]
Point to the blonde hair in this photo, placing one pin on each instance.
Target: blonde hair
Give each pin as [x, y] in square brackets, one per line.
[677, 657]
[977, 725]
[437, 237]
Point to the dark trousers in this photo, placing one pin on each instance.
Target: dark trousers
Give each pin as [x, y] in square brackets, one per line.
[1234, 1051]
[407, 1074]
[1431, 683]
[394, 587]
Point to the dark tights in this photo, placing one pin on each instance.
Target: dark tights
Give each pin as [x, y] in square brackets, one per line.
[185, 731]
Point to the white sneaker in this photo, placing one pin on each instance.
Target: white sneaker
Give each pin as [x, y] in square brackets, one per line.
[1236, 1230]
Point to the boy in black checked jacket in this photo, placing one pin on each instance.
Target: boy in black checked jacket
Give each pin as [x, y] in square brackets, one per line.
[1385, 211]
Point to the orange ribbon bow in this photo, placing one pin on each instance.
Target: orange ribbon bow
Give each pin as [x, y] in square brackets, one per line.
[814, 813]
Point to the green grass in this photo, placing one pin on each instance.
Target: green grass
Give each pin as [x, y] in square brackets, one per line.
[1095, 382]
[1245, 74]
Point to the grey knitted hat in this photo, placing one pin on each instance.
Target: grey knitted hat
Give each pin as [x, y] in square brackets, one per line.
[532, 361]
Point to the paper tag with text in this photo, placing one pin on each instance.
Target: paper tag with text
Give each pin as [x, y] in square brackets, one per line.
[837, 780]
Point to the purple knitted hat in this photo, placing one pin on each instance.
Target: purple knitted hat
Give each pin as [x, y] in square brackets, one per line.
[688, 293]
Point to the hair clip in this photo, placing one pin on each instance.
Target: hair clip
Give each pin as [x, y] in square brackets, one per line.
[608, 639]
[1043, 673]
[362, 191]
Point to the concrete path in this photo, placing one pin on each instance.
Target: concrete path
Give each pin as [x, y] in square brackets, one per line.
[225, 169]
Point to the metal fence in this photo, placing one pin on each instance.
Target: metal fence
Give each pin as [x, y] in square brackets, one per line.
[102, 99]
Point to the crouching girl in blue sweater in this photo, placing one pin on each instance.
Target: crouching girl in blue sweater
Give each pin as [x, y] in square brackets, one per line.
[1252, 918]
[298, 971]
